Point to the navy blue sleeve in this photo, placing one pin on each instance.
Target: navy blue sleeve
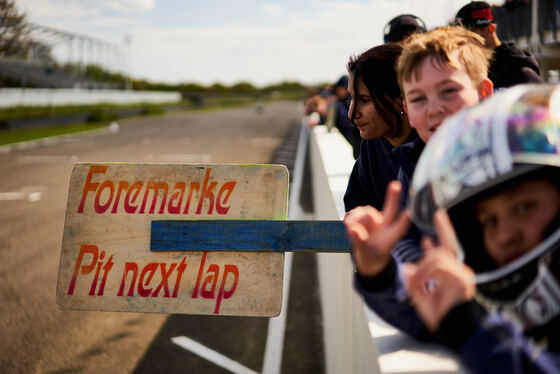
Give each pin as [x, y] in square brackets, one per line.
[385, 295]
[407, 250]
[488, 343]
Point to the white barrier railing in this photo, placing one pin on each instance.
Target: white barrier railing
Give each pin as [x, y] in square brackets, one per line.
[357, 340]
[74, 96]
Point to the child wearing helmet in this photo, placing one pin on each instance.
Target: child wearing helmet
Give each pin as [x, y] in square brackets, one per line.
[488, 187]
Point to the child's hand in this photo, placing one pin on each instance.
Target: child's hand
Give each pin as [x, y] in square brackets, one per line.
[439, 281]
[373, 234]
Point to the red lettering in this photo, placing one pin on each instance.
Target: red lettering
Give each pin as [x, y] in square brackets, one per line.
[222, 293]
[180, 269]
[96, 263]
[123, 185]
[227, 188]
[195, 186]
[211, 281]
[151, 268]
[208, 287]
[164, 277]
[206, 193]
[156, 187]
[147, 275]
[96, 276]
[127, 201]
[100, 208]
[85, 269]
[89, 186]
[106, 270]
[132, 267]
[176, 196]
[200, 269]
[154, 200]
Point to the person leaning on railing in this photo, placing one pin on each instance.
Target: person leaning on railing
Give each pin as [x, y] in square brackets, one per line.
[510, 65]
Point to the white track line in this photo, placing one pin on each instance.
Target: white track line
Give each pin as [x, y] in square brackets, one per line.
[31, 196]
[277, 325]
[211, 355]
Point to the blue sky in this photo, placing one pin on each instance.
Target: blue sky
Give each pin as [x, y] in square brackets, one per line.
[210, 41]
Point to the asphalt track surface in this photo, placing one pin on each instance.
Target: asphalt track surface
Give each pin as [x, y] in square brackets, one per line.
[36, 337]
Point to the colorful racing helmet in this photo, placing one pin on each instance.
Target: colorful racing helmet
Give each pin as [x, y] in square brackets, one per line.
[508, 138]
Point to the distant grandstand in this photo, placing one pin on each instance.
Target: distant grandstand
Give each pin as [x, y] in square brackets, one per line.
[80, 62]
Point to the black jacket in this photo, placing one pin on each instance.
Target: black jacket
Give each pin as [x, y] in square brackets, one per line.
[377, 165]
[511, 66]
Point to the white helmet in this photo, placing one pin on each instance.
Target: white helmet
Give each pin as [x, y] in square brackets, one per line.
[513, 135]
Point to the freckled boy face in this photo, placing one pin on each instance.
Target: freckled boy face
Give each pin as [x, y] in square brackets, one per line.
[514, 221]
[366, 118]
[436, 92]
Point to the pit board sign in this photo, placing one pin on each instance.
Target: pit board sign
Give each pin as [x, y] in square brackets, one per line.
[106, 263]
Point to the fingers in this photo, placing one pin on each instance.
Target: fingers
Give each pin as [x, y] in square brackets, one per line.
[427, 244]
[409, 270]
[391, 206]
[361, 222]
[400, 227]
[443, 268]
[445, 232]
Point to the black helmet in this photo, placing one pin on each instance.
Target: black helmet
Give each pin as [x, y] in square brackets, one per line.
[402, 26]
[508, 138]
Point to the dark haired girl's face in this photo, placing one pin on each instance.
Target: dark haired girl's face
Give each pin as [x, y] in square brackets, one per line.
[363, 113]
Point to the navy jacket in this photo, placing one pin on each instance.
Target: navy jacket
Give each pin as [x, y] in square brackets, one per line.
[374, 169]
[486, 342]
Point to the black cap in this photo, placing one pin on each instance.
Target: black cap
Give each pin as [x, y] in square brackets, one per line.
[402, 26]
[475, 14]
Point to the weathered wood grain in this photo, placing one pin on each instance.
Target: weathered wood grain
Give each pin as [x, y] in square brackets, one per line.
[249, 235]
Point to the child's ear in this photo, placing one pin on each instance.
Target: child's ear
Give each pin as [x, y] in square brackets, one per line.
[485, 89]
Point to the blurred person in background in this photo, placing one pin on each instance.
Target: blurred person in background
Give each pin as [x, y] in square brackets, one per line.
[510, 65]
[315, 108]
[338, 111]
[401, 27]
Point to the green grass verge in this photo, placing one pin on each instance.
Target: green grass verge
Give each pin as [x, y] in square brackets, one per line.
[16, 136]
[42, 111]
[100, 115]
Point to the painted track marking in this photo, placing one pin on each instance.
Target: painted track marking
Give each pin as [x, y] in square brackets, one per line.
[211, 355]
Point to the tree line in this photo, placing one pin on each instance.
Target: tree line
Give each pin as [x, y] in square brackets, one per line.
[16, 42]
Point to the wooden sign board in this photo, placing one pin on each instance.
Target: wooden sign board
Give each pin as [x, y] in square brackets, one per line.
[106, 263]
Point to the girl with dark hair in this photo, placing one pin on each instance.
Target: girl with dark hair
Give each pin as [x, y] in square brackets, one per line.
[376, 109]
